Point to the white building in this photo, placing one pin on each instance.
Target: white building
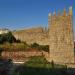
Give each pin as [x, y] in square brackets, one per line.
[3, 31]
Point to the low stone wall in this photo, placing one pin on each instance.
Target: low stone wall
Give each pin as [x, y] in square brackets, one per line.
[19, 56]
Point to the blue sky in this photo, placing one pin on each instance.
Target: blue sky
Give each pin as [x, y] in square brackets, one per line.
[18, 14]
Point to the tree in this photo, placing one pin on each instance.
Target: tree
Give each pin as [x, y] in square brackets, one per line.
[7, 38]
[1, 39]
[1, 51]
[10, 38]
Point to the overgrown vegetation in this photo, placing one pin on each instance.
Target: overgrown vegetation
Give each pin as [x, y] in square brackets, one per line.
[23, 46]
[1, 49]
[7, 38]
[9, 42]
[40, 47]
[41, 62]
[14, 47]
[40, 66]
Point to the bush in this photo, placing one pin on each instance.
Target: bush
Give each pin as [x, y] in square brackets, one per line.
[35, 45]
[1, 49]
[10, 38]
[38, 65]
[18, 41]
[41, 62]
[45, 48]
[36, 61]
[7, 38]
[1, 39]
[40, 47]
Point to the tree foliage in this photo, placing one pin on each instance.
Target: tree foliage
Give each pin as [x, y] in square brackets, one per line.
[40, 47]
[7, 38]
[1, 49]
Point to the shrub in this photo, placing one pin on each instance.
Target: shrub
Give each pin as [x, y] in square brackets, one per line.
[40, 47]
[41, 62]
[1, 39]
[7, 38]
[10, 38]
[18, 41]
[1, 49]
[34, 45]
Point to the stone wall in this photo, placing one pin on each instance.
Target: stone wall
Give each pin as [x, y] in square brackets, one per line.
[20, 56]
[33, 35]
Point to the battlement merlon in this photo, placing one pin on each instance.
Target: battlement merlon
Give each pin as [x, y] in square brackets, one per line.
[64, 13]
[54, 13]
[70, 11]
[49, 20]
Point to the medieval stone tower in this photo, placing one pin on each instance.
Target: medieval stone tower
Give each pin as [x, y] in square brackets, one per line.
[61, 43]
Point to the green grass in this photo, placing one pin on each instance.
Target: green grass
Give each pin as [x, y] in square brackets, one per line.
[14, 46]
[41, 62]
[39, 66]
[23, 46]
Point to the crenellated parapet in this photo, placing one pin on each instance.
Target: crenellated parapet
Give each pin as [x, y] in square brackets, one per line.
[62, 14]
[59, 18]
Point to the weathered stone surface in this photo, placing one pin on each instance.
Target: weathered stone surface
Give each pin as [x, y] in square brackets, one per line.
[20, 56]
[34, 35]
[61, 38]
